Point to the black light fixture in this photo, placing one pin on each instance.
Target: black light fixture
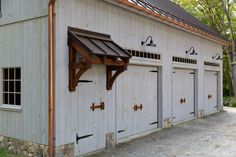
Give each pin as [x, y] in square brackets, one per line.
[191, 53]
[217, 57]
[150, 43]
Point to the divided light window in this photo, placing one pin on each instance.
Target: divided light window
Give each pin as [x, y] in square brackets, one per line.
[11, 86]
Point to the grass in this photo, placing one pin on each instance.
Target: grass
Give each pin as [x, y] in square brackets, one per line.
[230, 101]
[5, 153]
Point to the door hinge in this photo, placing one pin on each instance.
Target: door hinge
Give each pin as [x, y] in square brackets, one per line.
[85, 81]
[154, 71]
[173, 117]
[173, 72]
[192, 73]
[192, 113]
[215, 74]
[81, 137]
[120, 131]
[216, 106]
[153, 123]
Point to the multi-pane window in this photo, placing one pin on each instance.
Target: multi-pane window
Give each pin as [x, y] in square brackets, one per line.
[11, 86]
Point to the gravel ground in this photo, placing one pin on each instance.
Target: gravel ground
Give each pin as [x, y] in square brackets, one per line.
[212, 136]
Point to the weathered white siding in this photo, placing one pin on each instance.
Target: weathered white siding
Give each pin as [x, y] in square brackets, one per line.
[23, 43]
[127, 29]
[21, 10]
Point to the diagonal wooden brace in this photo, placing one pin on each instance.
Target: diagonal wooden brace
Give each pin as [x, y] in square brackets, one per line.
[112, 77]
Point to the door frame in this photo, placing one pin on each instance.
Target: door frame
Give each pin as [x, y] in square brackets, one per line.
[218, 89]
[195, 91]
[159, 106]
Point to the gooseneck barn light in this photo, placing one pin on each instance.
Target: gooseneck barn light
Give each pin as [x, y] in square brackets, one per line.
[191, 53]
[217, 57]
[150, 43]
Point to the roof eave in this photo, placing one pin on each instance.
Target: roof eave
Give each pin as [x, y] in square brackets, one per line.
[125, 4]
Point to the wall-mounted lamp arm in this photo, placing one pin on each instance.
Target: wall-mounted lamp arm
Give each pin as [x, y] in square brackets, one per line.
[193, 51]
[143, 42]
[217, 57]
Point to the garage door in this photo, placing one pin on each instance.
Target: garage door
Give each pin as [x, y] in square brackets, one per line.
[137, 100]
[182, 94]
[210, 91]
[90, 130]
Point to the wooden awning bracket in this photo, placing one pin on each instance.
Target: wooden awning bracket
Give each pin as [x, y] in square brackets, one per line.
[81, 59]
[111, 78]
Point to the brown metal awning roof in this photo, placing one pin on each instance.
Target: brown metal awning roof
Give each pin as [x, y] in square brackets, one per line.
[87, 48]
[98, 44]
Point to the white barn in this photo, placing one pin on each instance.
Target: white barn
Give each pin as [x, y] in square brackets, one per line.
[117, 69]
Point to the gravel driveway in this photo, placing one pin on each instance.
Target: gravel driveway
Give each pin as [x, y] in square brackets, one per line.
[212, 136]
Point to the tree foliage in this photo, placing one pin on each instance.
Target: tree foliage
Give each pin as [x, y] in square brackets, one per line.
[219, 15]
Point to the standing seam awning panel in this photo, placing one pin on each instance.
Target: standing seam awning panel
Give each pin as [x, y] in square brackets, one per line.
[99, 44]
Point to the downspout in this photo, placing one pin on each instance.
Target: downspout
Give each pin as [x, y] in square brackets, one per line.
[51, 110]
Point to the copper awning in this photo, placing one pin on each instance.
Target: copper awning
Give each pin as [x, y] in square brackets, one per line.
[87, 48]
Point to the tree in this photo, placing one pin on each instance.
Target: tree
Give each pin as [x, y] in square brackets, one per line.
[221, 16]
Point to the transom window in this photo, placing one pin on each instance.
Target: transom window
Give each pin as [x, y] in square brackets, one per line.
[11, 86]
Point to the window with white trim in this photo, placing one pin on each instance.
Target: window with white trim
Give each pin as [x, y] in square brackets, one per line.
[11, 84]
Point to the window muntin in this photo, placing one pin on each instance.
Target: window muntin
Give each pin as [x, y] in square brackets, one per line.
[11, 83]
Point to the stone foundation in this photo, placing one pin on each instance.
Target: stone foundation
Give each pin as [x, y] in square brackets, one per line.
[65, 150]
[110, 140]
[200, 114]
[21, 147]
[168, 123]
[30, 149]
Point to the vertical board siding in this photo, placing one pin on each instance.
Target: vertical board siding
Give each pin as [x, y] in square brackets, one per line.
[128, 29]
[20, 10]
[25, 45]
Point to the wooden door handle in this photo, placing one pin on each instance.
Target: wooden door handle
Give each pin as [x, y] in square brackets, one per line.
[94, 106]
[136, 107]
[209, 96]
[182, 100]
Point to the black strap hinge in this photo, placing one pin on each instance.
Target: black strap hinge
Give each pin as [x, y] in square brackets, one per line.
[82, 137]
[192, 113]
[154, 71]
[120, 131]
[85, 81]
[153, 123]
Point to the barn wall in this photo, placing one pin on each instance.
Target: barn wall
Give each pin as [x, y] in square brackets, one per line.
[23, 43]
[127, 29]
[21, 10]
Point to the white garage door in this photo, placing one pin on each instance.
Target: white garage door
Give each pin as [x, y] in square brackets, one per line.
[182, 94]
[210, 91]
[137, 105]
[91, 124]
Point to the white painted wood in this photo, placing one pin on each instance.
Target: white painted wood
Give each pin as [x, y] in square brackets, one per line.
[137, 86]
[127, 29]
[24, 45]
[210, 88]
[91, 122]
[22, 10]
[23, 42]
[183, 88]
